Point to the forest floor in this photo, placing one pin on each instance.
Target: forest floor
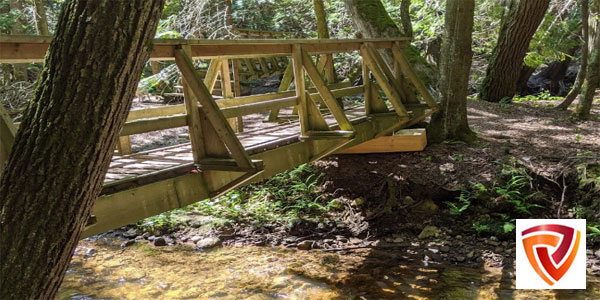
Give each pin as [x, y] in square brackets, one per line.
[452, 202]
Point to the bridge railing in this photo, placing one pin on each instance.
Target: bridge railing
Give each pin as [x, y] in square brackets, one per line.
[220, 117]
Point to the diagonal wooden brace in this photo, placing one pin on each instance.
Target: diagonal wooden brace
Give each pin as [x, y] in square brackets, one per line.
[211, 110]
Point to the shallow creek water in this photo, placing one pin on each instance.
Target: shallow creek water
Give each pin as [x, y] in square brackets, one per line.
[101, 269]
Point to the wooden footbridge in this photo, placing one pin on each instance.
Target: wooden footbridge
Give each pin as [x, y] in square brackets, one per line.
[221, 157]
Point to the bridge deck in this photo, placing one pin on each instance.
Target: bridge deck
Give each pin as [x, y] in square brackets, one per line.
[254, 141]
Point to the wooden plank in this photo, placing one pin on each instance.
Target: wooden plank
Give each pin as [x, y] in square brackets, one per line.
[383, 66]
[153, 124]
[211, 110]
[314, 115]
[402, 141]
[300, 88]
[407, 69]
[236, 124]
[328, 97]
[193, 116]
[124, 145]
[155, 112]
[254, 108]
[387, 88]
[284, 85]
[212, 73]
[18, 49]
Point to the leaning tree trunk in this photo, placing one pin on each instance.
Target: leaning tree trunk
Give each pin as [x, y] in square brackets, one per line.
[372, 21]
[584, 59]
[455, 66]
[523, 19]
[592, 78]
[41, 21]
[405, 18]
[64, 145]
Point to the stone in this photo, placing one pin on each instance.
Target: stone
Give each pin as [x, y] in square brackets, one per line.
[131, 233]
[470, 254]
[597, 253]
[305, 245]
[498, 249]
[408, 200]
[151, 238]
[447, 168]
[460, 258]
[159, 242]
[493, 242]
[207, 243]
[91, 252]
[398, 240]
[444, 248]
[127, 243]
[195, 239]
[458, 237]
[426, 207]
[429, 231]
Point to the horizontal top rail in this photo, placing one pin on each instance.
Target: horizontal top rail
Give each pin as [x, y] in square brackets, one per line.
[24, 48]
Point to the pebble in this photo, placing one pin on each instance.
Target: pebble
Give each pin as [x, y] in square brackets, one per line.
[460, 258]
[127, 243]
[470, 254]
[429, 231]
[131, 233]
[444, 248]
[195, 239]
[159, 241]
[305, 245]
[498, 249]
[207, 243]
[398, 240]
[597, 253]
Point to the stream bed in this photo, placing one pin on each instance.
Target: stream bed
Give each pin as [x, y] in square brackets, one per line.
[101, 269]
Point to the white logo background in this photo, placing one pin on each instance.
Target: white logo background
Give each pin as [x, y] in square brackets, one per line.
[527, 278]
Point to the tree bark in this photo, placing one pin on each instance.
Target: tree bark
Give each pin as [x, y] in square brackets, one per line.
[372, 21]
[455, 66]
[584, 58]
[323, 33]
[592, 78]
[41, 21]
[405, 18]
[19, 70]
[523, 19]
[64, 145]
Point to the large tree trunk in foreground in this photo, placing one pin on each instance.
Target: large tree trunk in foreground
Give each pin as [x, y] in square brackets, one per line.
[584, 58]
[516, 32]
[451, 121]
[592, 77]
[372, 21]
[64, 145]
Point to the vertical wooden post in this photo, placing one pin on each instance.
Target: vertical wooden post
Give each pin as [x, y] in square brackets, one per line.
[300, 88]
[235, 123]
[286, 81]
[193, 115]
[155, 66]
[367, 89]
[124, 145]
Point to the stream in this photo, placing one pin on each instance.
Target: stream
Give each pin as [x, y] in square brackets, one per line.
[101, 269]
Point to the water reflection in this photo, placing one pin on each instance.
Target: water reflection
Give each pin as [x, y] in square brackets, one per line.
[102, 270]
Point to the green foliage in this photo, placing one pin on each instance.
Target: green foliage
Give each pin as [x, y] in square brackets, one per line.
[543, 95]
[465, 201]
[282, 199]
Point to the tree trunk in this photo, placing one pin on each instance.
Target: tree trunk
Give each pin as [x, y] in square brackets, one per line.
[372, 21]
[41, 21]
[455, 66]
[584, 59]
[64, 145]
[524, 74]
[323, 33]
[523, 19]
[405, 18]
[592, 78]
[19, 70]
